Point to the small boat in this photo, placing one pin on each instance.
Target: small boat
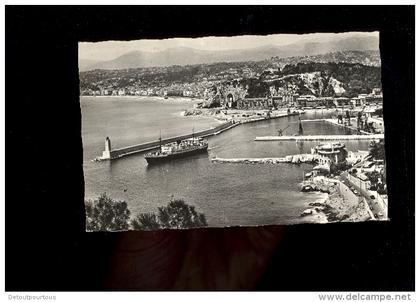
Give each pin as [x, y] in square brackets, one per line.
[307, 212]
[308, 175]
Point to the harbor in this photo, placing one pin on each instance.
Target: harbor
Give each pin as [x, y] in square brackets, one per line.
[300, 132]
[349, 189]
[111, 154]
[284, 145]
[225, 192]
[336, 123]
[341, 174]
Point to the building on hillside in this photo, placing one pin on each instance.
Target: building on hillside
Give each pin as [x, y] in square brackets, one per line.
[358, 102]
[335, 151]
[373, 98]
[106, 92]
[326, 101]
[255, 103]
[376, 91]
[341, 101]
[305, 100]
[312, 102]
[279, 101]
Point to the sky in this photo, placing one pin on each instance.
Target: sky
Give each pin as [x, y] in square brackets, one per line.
[109, 50]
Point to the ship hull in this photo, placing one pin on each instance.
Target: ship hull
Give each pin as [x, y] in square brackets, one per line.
[169, 157]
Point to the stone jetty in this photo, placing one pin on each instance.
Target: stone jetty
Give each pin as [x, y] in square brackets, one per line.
[110, 154]
[293, 159]
[320, 137]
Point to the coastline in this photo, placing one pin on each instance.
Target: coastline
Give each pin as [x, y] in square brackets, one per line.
[335, 207]
[145, 97]
[316, 216]
[238, 115]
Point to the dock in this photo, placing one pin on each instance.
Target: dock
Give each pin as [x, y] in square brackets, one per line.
[336, 123]
[320, 137]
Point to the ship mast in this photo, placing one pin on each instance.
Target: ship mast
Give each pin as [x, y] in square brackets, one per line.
[300, 126]
[160, 139]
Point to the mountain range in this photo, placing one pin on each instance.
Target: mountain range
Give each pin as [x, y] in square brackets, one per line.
[190, 56]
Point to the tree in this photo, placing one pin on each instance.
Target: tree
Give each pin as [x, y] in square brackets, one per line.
[180, 215]
[176, 215]
[377, 181]
[145, 221]
[377, 150]
[106, 214]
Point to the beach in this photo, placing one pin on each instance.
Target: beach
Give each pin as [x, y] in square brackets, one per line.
[148, 98]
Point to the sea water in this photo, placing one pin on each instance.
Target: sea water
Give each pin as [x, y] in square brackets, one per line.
[228, 194]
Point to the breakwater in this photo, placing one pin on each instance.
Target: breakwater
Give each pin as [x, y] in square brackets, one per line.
[320, 137]
[294, 159]
[118, 153]
[109, 154]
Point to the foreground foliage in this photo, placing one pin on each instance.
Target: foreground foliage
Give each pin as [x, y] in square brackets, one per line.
[106, 214]
[177, 214]
[377, 150]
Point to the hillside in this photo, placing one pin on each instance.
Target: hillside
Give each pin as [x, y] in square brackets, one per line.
[369, 58]
[334, 78]
[190, 56]
[326, 75]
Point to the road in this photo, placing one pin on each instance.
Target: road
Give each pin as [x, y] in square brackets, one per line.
[374, 205]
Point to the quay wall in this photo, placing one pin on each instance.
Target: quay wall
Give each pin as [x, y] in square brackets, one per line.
[320, 137]
[117, 153]
[252, 120]
[271, 160]
[294, 159]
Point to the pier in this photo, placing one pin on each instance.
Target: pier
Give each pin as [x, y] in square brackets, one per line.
[110, 154]
[118, 153]
[320, 137]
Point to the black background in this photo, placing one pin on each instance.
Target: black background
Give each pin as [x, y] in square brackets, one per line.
[46, 246]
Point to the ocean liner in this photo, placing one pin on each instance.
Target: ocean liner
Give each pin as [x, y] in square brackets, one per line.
[177, 149]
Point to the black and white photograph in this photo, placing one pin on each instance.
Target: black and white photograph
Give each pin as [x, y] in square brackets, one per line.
[233, 131]
[229, 147]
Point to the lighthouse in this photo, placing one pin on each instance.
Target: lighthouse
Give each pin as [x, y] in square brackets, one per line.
[107, 153]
